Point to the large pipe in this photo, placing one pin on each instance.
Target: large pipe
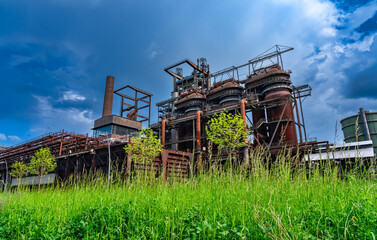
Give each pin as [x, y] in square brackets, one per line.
[243, 114]
[163, 132]
[365, 124]
[198, 135]
[108, 100]
[198, 131]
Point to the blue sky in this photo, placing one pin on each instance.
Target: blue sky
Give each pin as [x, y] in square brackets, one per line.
[55, 55]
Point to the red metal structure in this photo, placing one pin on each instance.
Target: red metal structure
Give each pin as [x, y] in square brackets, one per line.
[266, 95]
[78, 154]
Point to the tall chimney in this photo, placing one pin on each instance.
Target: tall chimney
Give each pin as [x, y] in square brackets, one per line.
[108, 101]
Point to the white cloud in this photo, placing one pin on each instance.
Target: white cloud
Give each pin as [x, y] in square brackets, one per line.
[153, 50]
[55, 119]
[3, 137]
[71, 96]
[316, 29]
[14, 138]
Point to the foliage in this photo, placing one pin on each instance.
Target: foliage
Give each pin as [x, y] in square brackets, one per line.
[145, 147]
[276, 201]
[42, 163]
[19, 169]
[227, 130]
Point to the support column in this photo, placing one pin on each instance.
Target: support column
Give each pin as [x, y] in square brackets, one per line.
[163, 132]
[164, 156]
[245, 150]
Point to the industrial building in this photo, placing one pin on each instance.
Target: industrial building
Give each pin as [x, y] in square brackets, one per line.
[81, 154]
[260, 90]
[360, 137]
[361, 127]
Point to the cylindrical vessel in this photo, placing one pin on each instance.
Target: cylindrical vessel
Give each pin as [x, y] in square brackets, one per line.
[355, 131]
[286, 130]
[225, 93]
[191, 103]
[108, 100]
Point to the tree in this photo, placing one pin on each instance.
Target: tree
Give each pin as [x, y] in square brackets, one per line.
[226, 130]
[42, 163]
[145, 147]
[19, 170]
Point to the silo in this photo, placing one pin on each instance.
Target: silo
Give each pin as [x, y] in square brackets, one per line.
[364, 123]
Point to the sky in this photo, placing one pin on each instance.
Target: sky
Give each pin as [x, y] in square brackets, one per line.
[55, 55]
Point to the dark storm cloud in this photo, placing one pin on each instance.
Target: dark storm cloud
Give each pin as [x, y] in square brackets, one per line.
[363, 84]
[362, 76]
[55, 55]
[69, 104]
[32, 69]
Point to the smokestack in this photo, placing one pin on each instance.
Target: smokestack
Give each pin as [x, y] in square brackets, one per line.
[108, 101]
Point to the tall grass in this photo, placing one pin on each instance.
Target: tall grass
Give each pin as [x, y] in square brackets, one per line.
[284, 200]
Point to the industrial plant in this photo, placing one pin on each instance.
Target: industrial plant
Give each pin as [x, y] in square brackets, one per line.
[260, 90]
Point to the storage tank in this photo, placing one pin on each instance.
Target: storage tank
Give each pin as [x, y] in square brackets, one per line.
[366, 124]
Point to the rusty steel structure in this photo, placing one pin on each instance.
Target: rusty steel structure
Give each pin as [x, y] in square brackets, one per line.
[135, 108]
[260, 91]
[140, 100]
[60, 143]
[81, 154]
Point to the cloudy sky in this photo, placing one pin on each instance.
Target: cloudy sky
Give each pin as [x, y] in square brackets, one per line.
[55, 54]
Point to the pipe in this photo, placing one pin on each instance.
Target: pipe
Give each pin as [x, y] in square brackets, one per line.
[108, 100]
[365, 124]
[243, 114]
[61, 143]
[198, 135]
[198, 131]
[109, 165]
[245, 150]
[163, 132]
[175, 84]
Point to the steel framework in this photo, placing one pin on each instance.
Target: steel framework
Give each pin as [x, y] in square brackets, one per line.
[139, 101]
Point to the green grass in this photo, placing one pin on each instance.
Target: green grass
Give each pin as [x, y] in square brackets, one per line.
[257, 204]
